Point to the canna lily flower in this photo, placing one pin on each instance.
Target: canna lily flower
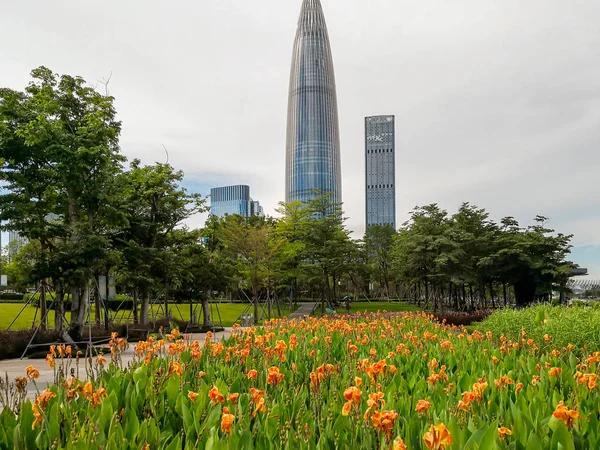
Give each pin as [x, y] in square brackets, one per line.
[422, 406]
[518, 387]
[252, 374]
[226, 421]
[45, 397]
[37, 413]
[233, 398]
[503, 431]
[215, 396]
[192, 396]
[399, 444]
[358, 381]
[555, 372]
[347, 408]
[353, 394]
[260, 406]
[535, 380]
[384, 422]
[438, 437]
[101, 360]
[32, 372]
[274, 376]
[50, 360]
[176, 368]
[568, 416]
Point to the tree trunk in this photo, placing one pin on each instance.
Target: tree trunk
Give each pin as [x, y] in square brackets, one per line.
[59, 307]
[144, 316]
[43, 306]
[77, 307]
[205, 312]
[504, 294]
[136, 320]
[493, 296]
[97, 306]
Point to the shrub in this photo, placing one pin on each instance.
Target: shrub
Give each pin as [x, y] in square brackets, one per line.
[575, 325]
[463, 318]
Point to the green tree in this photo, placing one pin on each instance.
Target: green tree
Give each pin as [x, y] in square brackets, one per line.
[378, 242]
[154, 204]
[60, 153]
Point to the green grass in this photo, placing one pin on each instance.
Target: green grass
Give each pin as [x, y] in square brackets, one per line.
[229, 312]
[578, 326]
[373, 307]
[8, 311]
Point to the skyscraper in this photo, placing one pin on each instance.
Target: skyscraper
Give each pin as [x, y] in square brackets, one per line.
[230, 200]
[380, 156]
[313, 137]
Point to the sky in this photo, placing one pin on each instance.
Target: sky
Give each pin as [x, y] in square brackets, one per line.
[497, 103]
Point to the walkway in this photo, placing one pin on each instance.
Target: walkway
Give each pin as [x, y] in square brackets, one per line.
[306, 309]
[16, 367]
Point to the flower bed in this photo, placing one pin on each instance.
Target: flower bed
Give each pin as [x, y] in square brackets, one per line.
[362, 381]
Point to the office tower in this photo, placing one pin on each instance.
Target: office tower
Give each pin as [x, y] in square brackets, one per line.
[313, 141]
[230, 200]
[380, 158]
[15, 243]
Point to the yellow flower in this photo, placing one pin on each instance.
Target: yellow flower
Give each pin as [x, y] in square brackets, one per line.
[503, 431]
[438, 437]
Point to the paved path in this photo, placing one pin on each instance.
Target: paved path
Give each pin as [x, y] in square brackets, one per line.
[306, 309]
[16, 367]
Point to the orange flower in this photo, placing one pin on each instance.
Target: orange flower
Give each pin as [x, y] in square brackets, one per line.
[45, 397]
[353, 394]
[555, 372]
[50, 360]
[260, 406]
[346, 408]
[192, 396]
[384, 422]
[274, 376]
[37, 413]
[399, 444]
[227, 421]
[101, 360]
[589, 379]
[233, 398]
[422, 406]
[32, 372]
[503, 431]
[568, 416]
[252, 374]
[176, 368]
[547, 338]
[438, 437]
[358, 381]
[503, 381]
[215, 396]
[518, 387]
[201, 374]
[535, 380]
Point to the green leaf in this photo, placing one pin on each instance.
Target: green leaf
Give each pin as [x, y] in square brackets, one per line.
[562, 439]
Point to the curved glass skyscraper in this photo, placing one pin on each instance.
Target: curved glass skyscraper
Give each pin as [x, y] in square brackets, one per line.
[313, 136]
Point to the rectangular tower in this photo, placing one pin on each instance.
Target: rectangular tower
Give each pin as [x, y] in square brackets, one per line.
[380, 158]
[230, 200]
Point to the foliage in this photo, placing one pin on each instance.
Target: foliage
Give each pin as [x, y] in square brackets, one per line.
[465, 258]
[577, 326]
[362, 381]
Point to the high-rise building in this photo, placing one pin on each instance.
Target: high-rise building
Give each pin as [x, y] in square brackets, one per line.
[15, 243]
[230, 200]
[380, 157]
[313, 137]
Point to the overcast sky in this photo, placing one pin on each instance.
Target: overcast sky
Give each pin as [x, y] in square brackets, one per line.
[496, 102]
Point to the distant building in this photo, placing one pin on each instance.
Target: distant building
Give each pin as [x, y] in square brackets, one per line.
[380, 158]
[230, 200]
[15, 243]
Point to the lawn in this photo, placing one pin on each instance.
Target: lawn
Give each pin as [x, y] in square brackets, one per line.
[229, 314]
[373, 307]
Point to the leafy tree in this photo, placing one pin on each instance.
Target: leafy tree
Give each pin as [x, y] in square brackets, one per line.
[327, 245]
[60, 153]
[378, 243]
[154, 205]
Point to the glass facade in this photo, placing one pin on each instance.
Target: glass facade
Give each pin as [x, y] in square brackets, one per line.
[313, 142]
[230, 200]
[380, 157]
